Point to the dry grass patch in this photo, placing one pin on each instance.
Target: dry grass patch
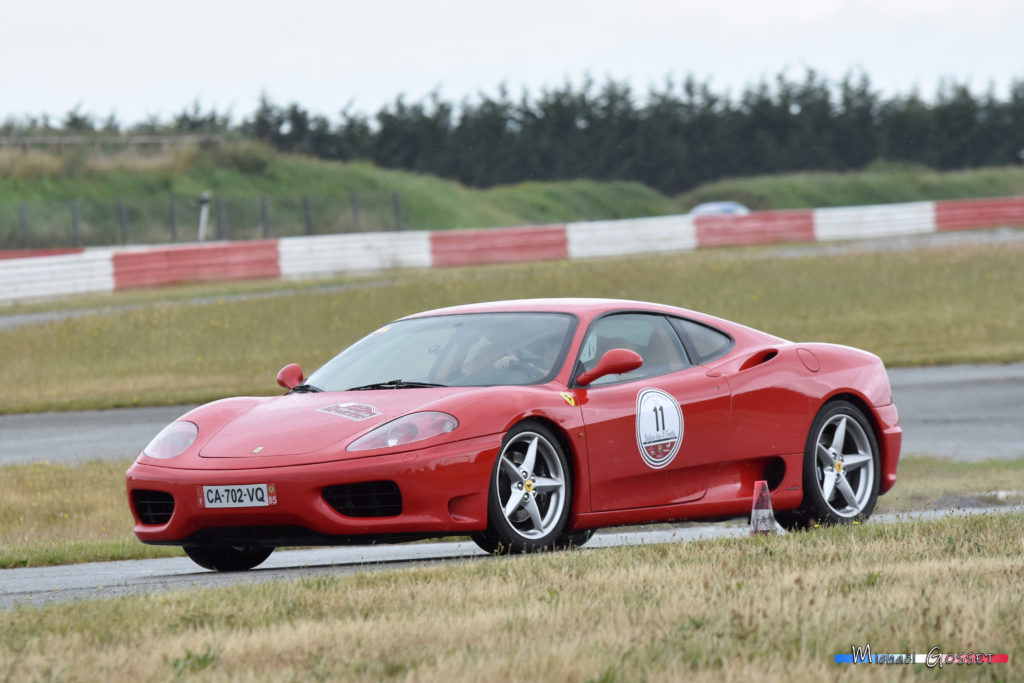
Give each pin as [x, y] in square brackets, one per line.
[775, 608]
[64, 514]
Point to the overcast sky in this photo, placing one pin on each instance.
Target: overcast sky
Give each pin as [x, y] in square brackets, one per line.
[138, 58]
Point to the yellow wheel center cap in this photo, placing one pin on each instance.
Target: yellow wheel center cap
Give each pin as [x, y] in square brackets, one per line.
[839, 465]
[528, 485]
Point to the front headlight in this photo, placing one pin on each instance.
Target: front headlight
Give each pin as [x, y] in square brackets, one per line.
[172, 441]
[404, 430]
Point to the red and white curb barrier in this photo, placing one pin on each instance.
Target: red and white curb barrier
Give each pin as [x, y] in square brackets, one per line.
[46, 276]
[34, 274]
[631, 236]
[310, 257]
[887, 220]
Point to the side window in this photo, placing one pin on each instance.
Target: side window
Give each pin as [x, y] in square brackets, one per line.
[706, 343]
[649, 335]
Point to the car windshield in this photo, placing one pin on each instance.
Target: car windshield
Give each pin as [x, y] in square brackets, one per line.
[476, 349]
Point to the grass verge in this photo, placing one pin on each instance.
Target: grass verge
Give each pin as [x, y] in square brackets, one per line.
[430, 202]
[64, 514]
[762, 608]
[924, 307]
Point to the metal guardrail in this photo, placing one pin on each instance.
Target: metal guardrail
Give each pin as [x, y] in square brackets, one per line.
[97, 141]
[80, 222]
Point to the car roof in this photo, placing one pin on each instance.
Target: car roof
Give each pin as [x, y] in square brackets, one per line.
[587, 309]
[584, 307]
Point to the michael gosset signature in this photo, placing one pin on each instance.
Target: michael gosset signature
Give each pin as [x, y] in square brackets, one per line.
[935, 657]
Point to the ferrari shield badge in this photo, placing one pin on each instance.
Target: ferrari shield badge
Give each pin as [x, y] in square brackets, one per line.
[659, 427]
[569, 397]
[353, 411]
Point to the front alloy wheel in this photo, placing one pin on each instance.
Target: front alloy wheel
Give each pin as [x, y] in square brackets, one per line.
[530, 490]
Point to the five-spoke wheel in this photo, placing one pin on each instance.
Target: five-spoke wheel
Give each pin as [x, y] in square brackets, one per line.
[529, 495]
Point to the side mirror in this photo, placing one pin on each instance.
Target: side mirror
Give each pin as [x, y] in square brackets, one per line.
[613, 362]
[290, 376]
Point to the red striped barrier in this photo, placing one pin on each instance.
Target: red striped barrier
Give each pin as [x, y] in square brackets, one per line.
[974, 214]
[760, 227]
[55, 272]
[498, 245]
[196, 263]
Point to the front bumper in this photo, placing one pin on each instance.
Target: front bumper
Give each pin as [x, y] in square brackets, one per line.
[443, 490]
[890, 443]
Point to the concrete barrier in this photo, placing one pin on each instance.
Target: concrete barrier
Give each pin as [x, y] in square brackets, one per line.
[759, 227]
[886, 220]
[631, 236]
[40, 277]
[498, 245]
[148, 267]
[324, 255]
[974, 214]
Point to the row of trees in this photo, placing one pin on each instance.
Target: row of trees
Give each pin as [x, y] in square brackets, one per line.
[673, 137]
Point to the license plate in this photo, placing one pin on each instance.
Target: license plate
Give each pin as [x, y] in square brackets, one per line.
[238, 496]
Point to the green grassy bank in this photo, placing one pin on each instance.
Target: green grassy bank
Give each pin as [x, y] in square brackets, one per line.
[241, 169]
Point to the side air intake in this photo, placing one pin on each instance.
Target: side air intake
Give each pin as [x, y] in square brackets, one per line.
[153, 507]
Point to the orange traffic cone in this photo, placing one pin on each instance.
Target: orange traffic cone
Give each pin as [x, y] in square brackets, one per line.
[762, 519]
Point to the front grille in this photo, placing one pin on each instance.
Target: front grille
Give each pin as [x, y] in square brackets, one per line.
[367, 499]
[153, 507]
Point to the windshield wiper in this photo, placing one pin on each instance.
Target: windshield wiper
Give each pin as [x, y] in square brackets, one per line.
[305, 389]
[395, 384]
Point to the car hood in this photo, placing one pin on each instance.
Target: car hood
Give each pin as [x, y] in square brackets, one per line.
[300, 424]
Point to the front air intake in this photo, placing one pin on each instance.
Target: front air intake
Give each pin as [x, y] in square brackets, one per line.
[366, 499]
[153, 507]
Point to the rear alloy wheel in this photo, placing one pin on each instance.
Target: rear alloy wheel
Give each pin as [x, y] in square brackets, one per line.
[228, 558]
[841, 469]
[530, 493]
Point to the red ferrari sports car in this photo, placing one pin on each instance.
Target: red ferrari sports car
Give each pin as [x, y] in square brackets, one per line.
[526, 425]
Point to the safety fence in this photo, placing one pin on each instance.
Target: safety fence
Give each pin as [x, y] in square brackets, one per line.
[177, 219]
[39, 273]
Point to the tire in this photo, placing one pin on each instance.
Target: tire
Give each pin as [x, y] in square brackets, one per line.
[228, 558]
[841, 469]
[573, 539]
[530, 493]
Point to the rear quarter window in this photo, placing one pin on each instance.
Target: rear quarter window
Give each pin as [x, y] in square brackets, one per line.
[705, 343]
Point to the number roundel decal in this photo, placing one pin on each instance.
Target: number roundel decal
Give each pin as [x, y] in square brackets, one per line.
[659, 427]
